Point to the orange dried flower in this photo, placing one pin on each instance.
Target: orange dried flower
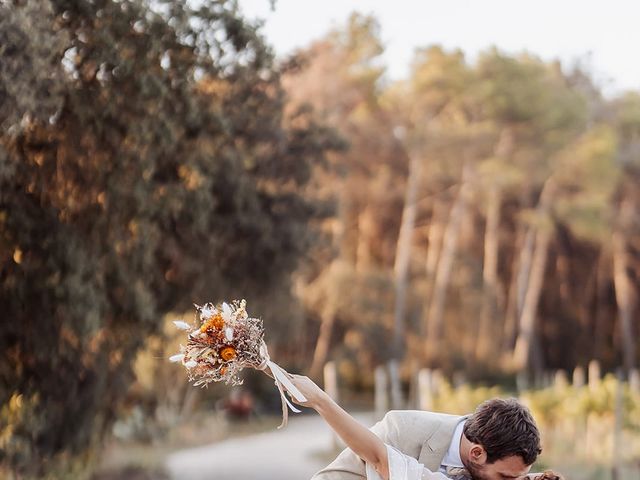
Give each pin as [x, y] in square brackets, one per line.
[228, 353]
[214, 323]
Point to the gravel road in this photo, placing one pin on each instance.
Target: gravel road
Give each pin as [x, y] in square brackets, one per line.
[294, 453]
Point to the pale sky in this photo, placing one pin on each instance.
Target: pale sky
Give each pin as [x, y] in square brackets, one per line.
[606, 30]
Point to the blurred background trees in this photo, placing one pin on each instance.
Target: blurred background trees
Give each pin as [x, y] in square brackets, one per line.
[477, 217]
[517, 173]
[146, 162]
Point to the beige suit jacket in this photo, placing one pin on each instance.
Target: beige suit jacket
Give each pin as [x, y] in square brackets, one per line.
[425, 436]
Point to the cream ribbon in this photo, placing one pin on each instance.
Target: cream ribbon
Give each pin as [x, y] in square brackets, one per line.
[281, 379]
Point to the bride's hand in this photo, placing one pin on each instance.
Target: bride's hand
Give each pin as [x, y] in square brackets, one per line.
[312, 392]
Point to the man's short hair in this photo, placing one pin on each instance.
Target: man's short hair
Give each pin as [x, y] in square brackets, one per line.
[504, 427]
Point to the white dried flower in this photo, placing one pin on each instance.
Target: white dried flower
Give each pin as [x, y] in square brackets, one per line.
[226, 312]
[228, 333]
[207, 311]
[191, 364]
[182, 325]
[176, 358]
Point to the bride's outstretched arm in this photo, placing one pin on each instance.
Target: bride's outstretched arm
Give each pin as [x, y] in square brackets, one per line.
[358, 438]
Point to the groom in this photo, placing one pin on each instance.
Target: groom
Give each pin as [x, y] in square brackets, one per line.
[499, 441]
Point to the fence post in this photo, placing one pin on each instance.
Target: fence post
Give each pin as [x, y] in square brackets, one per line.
[396, 388]
[413, 396]
[381, 387]
[616, 454]
[634, 380]
[425, 389]
[459, 379]
[330, 374]
[594, 375]
[437, 381]
[578, 377]
[560, 381]
[522, 381]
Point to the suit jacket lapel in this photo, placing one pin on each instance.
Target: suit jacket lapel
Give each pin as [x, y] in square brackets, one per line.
[436, 446]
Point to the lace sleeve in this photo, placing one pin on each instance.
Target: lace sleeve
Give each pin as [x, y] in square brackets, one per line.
[404, 467]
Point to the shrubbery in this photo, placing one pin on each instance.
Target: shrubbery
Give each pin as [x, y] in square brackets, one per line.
[162, 170]
[578, 424]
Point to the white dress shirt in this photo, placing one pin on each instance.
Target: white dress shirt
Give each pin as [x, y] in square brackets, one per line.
[452, 457]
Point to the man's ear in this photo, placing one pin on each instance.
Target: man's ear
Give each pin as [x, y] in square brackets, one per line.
[477, 454]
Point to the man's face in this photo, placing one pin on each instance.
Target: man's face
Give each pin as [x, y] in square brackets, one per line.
[508, 468]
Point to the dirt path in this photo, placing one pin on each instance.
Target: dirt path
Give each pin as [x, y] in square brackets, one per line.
[294, 453]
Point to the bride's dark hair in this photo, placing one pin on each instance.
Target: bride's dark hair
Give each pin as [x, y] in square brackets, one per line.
[504, 427]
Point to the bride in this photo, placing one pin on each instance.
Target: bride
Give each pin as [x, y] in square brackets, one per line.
[382, 461]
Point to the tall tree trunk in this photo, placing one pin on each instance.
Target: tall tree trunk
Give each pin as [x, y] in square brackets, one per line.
[524, 272]
[625, 295]
[487, 338]
[343, 231]
[365, 237]
[526, 332]
[343, 242]
[434, 247]
[521, 265]
[435, 315]
[587, 313]
[401, 276]
[601, 321]
[324, 340]
[527, 321]
[403, 253]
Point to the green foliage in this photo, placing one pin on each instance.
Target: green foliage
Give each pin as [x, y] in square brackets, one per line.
[523, 89]
[564, 414]
[549, 404]
[588, 414]
[516, 124]
[463, 399]
[626, 120]
[168, 173]
[589, 176]
[361, 46]
[30, 50]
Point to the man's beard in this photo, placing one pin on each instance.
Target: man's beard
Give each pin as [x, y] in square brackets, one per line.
[476, 471]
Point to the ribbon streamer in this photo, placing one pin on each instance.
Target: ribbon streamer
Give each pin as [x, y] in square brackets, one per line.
[281, 378]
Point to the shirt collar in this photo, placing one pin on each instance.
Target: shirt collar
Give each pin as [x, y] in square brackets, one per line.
[452, 457]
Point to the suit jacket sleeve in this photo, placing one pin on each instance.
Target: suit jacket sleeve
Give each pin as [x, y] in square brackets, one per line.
[348, 466]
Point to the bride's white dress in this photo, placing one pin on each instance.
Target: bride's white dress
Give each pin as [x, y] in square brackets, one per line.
[403, 467]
